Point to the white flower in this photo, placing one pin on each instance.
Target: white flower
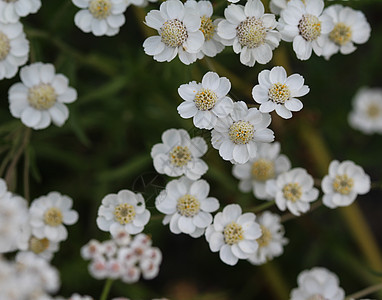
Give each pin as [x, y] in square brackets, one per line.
[366, 115]
[79, 297]
[187, 206]
[350, 27]
[293, 190]
[212, 43]
[233, 234]
[266, 165]
[120, 236]
[250, 32]
[236, 135]
[139, 3]
[43, 248]
[49, 213]
[344, 183]
[180, 155]
[11, 11]
[276, 91]
[207, 101]
[305, 26]
[41, 96]
[317, 283]
[123, 210]
[100, 17]
[14, 48]
[179, 33]
[92, 250]
[272, 240]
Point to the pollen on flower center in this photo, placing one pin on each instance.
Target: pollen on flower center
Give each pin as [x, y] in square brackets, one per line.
[53, 217]
[233, 233]
[100, 9]
[341, 34]
[263, 169]
[251, 32]
[9, 1]
[205, 99]
[180, 156]
[317, 297]
[173, 33]
[241, 132]
[265, 238]
[38, 246]
[5, 46]
[292, 192]
[279, 93]
[188, 206]
[373, 111]
[124, 213]
[42, 96]
[309, 27]
[207, 27]
[343, 184]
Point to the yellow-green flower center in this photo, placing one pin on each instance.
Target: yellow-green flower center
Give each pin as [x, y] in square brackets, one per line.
[100, 9]
[263, 169]
[279, 93]
[38, 246]
[241, 132]
[233, 233]
[124, 213]
[343, 184]
[309, 27]
[317, 297]
[265, 238]
[53, 217]
[373, 111]
[173, 33]
[188, 206]
[42, 96]
[251, 32]
[341, 34]
[180, 156]
[292, 191]
[207, 27]
[205, 99]
[5, 46]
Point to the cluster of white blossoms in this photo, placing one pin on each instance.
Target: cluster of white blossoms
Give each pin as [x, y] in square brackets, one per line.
[12, 10]
[366, 115]
[123, 257]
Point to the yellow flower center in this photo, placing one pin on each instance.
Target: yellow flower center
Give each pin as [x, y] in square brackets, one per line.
[309, 27]
[100, 9]
[53, 217]
[5, 46]
[263, 170]
[241, 132]
[343, 184]
[38, 246]
[341, 34]
[317, 297]
[173, 33]
[292, 191]
[188, 206]
[265, 238]
[373, 111]
[42, 96]
[124, 213]
[279, 93]
[205, 99]
[207, 27]
[180, 156]
[233, 233]
[251, 32]
[10, 1]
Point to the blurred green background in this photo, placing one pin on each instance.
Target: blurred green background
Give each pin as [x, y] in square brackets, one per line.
[126, 100]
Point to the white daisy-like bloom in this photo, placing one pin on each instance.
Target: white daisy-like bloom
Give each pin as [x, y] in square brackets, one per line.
[344, 183]
[236, 136]
[317, 283]
[14, 48]
[79, 297]
[92, 250]
[207, 101]
[305, 26]
[49, 214]
[100, 17]
[187, 206]
[233, 234]
[180, 155]
[350, 27]
[267, 165]
[42, 247]
[12, 10]
[366, 115]
[250, 32]
[139, 3]
[212, 43]
[125, 210]
[41, 96]
[278, 92]
[293, 190]
[272, 241]
[179, 32]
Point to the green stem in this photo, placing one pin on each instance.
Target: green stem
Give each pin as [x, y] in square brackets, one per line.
[106, 289]
[262, 207]
[367, 291]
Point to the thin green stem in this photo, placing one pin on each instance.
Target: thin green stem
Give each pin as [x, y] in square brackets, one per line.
[262, 207]
[367, 291]
[106, 289]
[26, 175]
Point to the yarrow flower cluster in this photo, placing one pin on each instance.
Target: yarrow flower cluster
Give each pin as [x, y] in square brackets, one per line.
[12, 10]
[123, 257]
